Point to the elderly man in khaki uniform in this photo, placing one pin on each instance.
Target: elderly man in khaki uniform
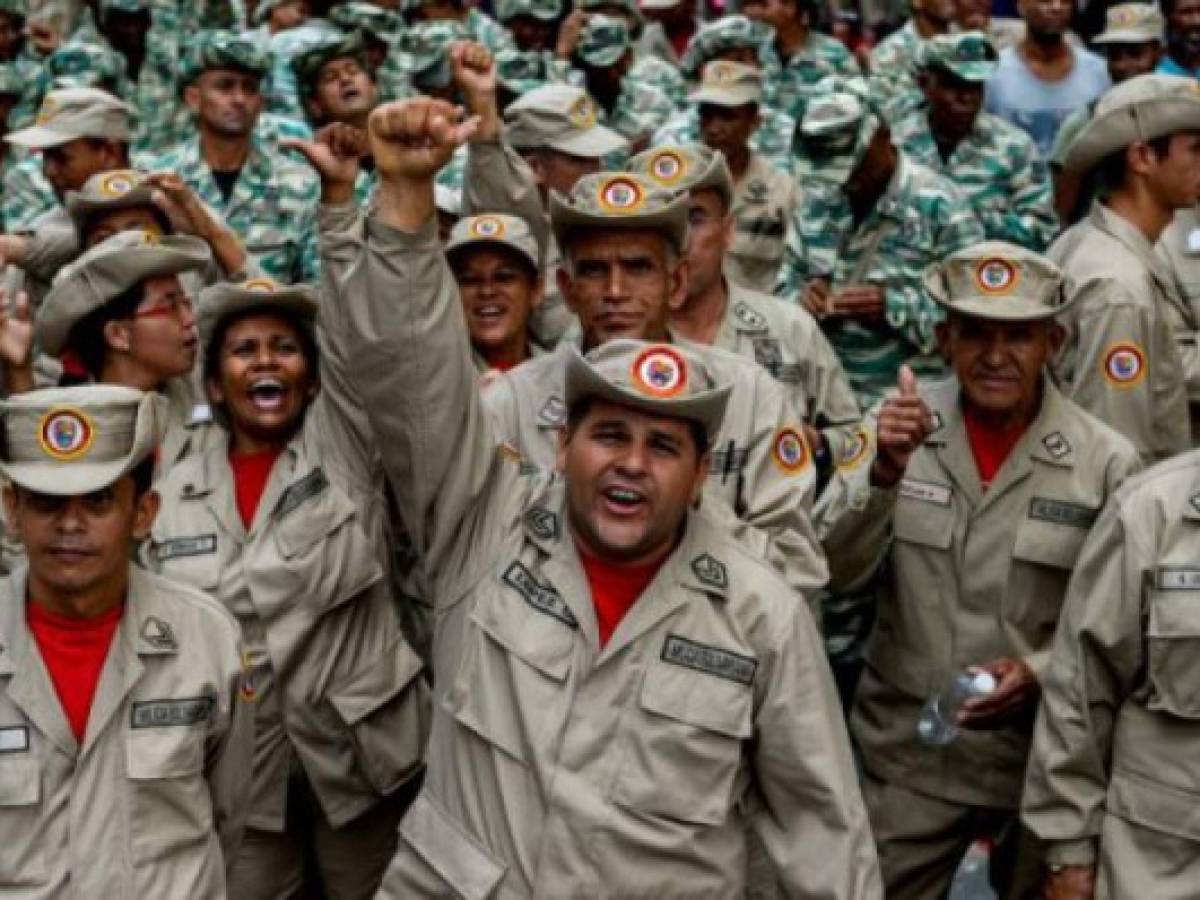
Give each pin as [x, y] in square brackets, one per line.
[987, 484]
[1122, 360]
[729, 99]
[618, 744]
[124, 741]
[1113, 784]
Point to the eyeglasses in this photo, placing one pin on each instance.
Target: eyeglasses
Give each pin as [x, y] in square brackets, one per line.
[170, 307]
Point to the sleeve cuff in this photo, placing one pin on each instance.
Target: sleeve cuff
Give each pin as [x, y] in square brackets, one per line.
[1080, 852]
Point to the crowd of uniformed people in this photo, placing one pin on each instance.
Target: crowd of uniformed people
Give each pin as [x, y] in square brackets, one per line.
[620, 448]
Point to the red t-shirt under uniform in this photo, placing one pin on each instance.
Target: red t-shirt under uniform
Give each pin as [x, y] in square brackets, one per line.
[989, 445]
[614, 590]
[250, 474]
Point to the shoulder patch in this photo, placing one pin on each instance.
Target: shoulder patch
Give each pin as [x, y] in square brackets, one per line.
[711, 571]
[1062, 512]
[307, 487]
[790, 451]
[169, 713]
[855, 450]
[552, 414]
[195, 545]
[751, 318]
[726, 664]
[541, 597]
[1056, 445]
[542, 523]
[1124, 365]
[158, 634]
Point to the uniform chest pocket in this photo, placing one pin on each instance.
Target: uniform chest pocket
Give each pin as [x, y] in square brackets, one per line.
[1174, 642]
[924, 515]
[1044, 553]
[190, 558]
[171, 808]
[681, 750]
[22, 857]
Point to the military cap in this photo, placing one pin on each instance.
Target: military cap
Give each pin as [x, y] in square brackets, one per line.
[105, 272]
[384, 24]
[264, 8]
[104, 191]
[561, 117]
[519, 73]
[835, 133]
[543, 10]
[124, 6]
[72, 441]
[219, 301]
[14, 7]
[493, 229]
[603, 41]
[686, 167]
[727, 83]
[224, 50]
[726, 33]
[12, 82]
[626, 200]
[68, 114]
[1132, 23]
[629, 6]
[308, 64]
[660, 4]
[659, 379]
[1140, 109]
[85, 64]
[969, 55]
[998, 281]
[427, 45]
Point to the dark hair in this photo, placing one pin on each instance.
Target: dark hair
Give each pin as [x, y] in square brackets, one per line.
[86, 337]
[1109, 173]
[89, 221]
[304, 333]
[143, 476]
[578, 412]
[456, 256]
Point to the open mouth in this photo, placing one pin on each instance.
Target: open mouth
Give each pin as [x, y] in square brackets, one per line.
[490, 313]
[623, 501]
[267, 394]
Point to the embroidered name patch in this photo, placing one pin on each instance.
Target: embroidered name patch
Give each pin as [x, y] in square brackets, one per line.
[1062, 513]
[14, 739]
[169, 713]
[197, 545]
[304, 489]
[925, 491]
[1177, 578]
[544, 599]
[710, 660]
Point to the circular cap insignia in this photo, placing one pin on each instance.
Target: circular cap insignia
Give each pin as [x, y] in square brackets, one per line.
[487, 227]
[660, 372]
[668, 167]
[1124, 364]
[116, 184]
[996, 276]
[260, 286]
[720, 72]
[65, 434]
[790, 451]
[621, 195]
[582, 113]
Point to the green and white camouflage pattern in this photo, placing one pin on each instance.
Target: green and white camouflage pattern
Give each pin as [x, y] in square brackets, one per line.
[543, 10]
[427, 46]
[789, 85]
[519, 73]
[727, 33]
[27, 194]
[216, 49]
[894, 64]
[307, 65]
[604, 41]
[772, 140]
[384, 24]
[660, 74]
[999, 172]
[920, 219]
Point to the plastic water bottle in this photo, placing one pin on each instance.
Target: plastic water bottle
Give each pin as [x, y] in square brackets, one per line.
[937, 725]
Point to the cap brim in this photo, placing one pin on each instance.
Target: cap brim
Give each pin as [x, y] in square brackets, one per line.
[1000, 309]
[297, 303]
[1127, 37]
[726, 96]
[79, 207]
[706, 408]
[602, 60]
[974, 72]
[1117, 129]
[597, 141]
[836, 169]
[493, 243]
[38, 137]
[671, 219]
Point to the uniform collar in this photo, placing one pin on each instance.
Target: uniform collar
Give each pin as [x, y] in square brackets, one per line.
[1121, 230]
[742, 312]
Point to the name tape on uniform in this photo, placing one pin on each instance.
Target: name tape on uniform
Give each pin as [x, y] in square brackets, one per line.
[541, 597]
[170, 713]
[196, 545]
[14, 738]
[1177, 578]
[308, 486]
[925, 491]
[1062, 512]
[710, 660]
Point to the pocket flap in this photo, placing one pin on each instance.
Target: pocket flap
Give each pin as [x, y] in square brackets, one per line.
[165, 751]
[695, 698]
[928, 522]
[1049, 544]
[303, 528]
[1175, 614]
[449, 851]
[20, 781]
[375, 684]
[529, 628]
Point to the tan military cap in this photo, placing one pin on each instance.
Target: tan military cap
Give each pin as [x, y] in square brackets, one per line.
[998, 281]
[116, 189]
[836, 130]
[619, 200]
[561, 117]
[492, 229]
[72, 441]
[1140, 109]
[686, 167]
[726, 83]
[1132, 23]
[223, 299]
[71, 113]
[661, 379]
[108, 270]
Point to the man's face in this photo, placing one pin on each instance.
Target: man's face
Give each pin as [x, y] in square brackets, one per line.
[127, 30]
[76, 545]
[12, 29]
[710, 235]
[630, 479]
[1174, 177]
[559, 171]
[973, 15]
[133, 218]
[775, 13]
[941, 12]
[160, 338]
[69, 165]
[292, 14]
[999, 364]
[345, 92]
[622, 283]
[226, 101]
[728, 128]
[498, 294]
[1046, 18]
[1126, 61]
[531, 33]
[1183, 29]
[953, 103]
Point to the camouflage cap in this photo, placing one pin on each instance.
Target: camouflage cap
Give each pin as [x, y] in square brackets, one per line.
[1140, 109]
[264, 8]
[72, 441]
[14, 8]
[1000, 282]
[543, 10]
[105, 191]
[219, 301]
[125, 6]
[519, 73]
[561, 117]
[223, 50]
[727, 33]
[622, 200]
[659, 379]
[427, 45]
[308, 64]
[729, 84]
[85, 64]
[492, 229]
[106, 271]
[969, 55]
[384, 24]
[603, 41]
[686, 167]
[1132, 23]
[835, 133]
[12, 82]
[68, 114]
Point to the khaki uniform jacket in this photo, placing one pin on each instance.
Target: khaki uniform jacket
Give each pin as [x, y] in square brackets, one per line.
[1118, 733]
[1179, 247]
[558, 769]
[153, 803]
[1120, 361]
[970, 577]
[763, 201]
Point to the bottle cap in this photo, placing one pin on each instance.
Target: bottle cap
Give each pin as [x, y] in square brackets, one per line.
[983, 683]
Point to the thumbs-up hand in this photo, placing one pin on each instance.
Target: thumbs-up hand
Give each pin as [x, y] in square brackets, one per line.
[904, 423]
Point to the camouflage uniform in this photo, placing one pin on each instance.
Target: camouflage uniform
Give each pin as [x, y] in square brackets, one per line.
[519, 73]
[391, 78]
[893, 64]
[789, 85]
[658, 73]
[772, 140]
[724, 34]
